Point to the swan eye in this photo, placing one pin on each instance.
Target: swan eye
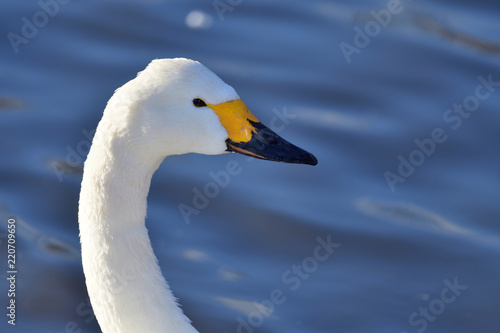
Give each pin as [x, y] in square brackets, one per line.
[199, 103]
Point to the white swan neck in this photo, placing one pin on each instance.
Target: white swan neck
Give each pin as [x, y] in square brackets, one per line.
[127, 290]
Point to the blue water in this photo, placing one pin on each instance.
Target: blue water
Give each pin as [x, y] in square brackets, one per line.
[407, 188]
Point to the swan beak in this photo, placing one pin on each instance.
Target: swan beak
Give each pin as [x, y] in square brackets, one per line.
[248, 136]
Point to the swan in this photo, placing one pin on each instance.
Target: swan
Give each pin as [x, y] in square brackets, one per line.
[174, 106]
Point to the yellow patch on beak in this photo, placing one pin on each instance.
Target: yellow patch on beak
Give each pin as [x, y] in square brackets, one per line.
[235, 116]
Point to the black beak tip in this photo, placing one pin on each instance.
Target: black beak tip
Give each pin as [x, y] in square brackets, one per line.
[295, 155]
[309, 159]
[267, 145]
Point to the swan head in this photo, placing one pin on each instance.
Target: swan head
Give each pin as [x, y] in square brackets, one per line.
[178, 106]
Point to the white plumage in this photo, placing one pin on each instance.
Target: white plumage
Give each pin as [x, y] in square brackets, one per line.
[147, 119]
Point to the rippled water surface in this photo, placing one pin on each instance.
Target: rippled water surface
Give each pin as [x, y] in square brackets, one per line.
[397, 229]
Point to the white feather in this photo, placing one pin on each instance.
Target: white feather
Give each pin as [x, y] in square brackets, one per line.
[147, 119]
